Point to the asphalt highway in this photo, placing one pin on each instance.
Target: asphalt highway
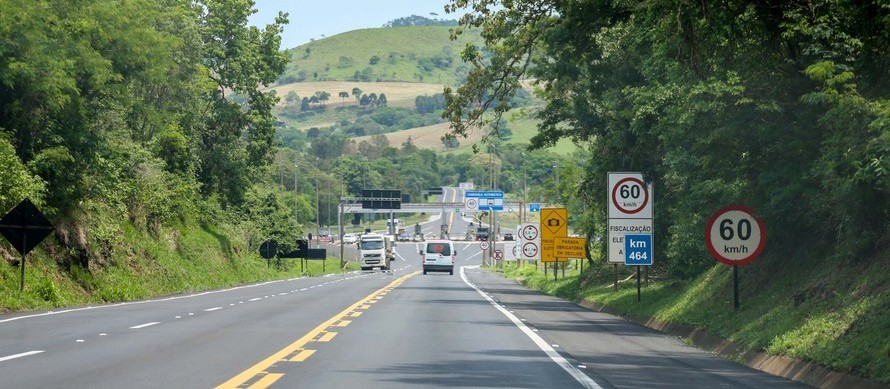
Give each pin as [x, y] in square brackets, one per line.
[396, 329]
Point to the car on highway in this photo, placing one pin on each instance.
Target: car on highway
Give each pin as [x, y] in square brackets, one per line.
[508, 236]
[349, 239]
[438, 255]
[404, 237]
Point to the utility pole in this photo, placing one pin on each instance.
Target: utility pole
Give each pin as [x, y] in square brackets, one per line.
[524, 212]
[296, 197]
[317, 211]
[340, 231]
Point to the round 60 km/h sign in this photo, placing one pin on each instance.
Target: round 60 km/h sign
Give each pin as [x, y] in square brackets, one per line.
[529, 232]
[735, 235]
[630, 195]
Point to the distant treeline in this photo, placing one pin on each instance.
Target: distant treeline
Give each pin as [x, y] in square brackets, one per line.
[415, 20]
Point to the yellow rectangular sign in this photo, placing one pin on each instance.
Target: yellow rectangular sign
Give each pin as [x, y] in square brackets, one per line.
[570, 247]
[554, 224]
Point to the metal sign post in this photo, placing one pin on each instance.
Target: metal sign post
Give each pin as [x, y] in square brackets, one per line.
[26, 224]
[736, 236]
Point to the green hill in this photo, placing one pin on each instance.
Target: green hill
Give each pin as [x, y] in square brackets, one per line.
[414, 54]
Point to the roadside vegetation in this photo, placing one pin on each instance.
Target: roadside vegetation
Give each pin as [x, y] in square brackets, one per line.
[141, 133]
[780, 106]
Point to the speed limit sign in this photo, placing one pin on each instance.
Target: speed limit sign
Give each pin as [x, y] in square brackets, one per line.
[735, 235]
[629, 196]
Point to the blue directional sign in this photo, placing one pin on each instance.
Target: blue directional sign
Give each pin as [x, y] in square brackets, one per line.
[638, 250]
[487, 200]
[534, 207]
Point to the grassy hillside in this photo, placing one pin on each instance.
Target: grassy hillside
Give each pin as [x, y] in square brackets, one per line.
[412, 61]
[415, 54]
[430, 137]
[398, 93]
[180, 259]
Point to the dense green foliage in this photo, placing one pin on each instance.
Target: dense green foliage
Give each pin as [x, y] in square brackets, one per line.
[782, 106]
[144, 114]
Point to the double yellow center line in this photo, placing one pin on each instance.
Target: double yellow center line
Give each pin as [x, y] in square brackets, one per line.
[258, 376]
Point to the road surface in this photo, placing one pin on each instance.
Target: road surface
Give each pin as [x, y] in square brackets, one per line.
[398, 329]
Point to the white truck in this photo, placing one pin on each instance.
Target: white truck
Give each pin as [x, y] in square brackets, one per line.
[376, 250]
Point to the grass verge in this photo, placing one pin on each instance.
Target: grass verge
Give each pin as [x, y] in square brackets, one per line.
[178, 260]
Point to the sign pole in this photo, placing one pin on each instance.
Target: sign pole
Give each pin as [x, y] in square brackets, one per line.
[24, 244]
[638, 283]
[616, 276]
[340, 235]
[735, 286]
[555, 270]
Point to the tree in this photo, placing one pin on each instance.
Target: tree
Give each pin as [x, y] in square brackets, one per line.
[322, 97]
[344, 96]
[292, 99]
[737, 102]
[239, 58]
[357, 93]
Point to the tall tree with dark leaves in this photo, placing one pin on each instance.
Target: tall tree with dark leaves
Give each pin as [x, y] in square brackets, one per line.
[237, 138]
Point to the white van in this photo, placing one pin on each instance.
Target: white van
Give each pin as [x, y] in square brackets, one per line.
[438, 255]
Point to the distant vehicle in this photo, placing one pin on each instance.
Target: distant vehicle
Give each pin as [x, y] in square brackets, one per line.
[349, 239]
[482, 233]
[438, 255]
[393, 225]
[404, 237]
[508, 236]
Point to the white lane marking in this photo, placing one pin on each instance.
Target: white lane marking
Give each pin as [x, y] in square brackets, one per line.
[254, 299]
[48, 313]
[141, 326]
[212, 309]
[468, 258]
[21, 355]
[579, 376]
[80, 341]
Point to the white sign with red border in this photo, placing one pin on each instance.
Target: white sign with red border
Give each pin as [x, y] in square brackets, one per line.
[629, 196]
[529, 241]
[735, 235]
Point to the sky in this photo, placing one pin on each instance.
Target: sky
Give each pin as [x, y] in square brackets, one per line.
[314, 19]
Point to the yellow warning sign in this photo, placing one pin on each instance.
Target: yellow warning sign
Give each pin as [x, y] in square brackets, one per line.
[570, 247]
[554, 224]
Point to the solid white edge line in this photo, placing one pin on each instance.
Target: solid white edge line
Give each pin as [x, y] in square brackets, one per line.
[149, 301]
[21, 355]
[141, 326]
[576, 373]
